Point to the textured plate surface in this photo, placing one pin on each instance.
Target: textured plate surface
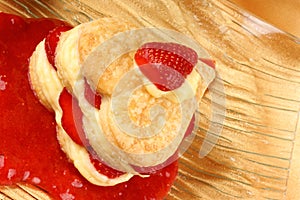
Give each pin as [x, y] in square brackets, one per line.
[259, 68]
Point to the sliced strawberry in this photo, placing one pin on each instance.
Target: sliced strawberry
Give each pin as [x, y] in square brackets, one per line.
[104, 169]
[92, 97]
[52, 40]
[166, 64]
[191, 127]
[209, 62]
[72, 117]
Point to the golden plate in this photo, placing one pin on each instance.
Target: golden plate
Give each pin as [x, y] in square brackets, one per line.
[255, 156]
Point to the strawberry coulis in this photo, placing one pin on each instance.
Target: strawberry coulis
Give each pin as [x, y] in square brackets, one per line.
[29, 151]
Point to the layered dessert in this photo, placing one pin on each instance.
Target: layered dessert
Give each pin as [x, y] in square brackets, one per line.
[106, 121]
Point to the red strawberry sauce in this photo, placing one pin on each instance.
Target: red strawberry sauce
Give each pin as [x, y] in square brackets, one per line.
[29, 151]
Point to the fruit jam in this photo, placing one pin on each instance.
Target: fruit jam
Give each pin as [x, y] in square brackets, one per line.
[29, 150]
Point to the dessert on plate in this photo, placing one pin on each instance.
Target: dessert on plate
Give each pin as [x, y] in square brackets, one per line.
[86, 116]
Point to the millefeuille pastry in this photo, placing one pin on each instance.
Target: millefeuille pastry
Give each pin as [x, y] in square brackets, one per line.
[134, 115]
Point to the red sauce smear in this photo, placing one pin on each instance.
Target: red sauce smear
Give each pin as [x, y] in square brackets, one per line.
[29, 151]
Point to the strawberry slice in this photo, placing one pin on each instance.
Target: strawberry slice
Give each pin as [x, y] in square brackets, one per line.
[52, 40]
[104, 169]
[191, 127]
[166, 65]
[91, 96]
[72, 117]
[209, 62]
[72, 114]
